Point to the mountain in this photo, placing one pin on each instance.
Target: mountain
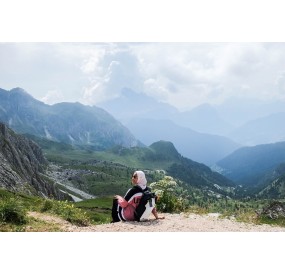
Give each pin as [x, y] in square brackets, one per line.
[238, 111]
[71, 123]
[22, 166]
[272, 185]
[187, 170]
[264, 130]
[205, 119]
[156, 158]
[131, 104]
[204, 148]
[244, 120]
[190, 172]
[250, 166]
[274, 190]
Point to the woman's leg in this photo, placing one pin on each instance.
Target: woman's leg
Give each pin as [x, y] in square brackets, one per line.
[115, 216]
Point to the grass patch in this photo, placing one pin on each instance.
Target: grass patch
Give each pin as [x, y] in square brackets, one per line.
[274, 222]
[12, 211]
[99, 210]
[14, 208]
[67, 211]
[35, 225]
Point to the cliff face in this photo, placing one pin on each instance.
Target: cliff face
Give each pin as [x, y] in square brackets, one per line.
[22, 166]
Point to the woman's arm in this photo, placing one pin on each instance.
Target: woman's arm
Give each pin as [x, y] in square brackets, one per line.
[121, 201]
[154, 212]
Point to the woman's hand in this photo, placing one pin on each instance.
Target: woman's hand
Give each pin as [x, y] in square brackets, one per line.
[118, 197]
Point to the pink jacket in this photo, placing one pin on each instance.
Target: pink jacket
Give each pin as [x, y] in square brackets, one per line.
[130, 202]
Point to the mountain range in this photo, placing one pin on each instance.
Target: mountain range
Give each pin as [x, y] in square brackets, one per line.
[160, 157]
[150, 121]
[71, 123]
[268, 129]
[23, 167]
[242, 120]
[253, 166]
[204, 148]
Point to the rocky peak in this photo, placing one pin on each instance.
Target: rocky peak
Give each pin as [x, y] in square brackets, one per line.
[22, 165]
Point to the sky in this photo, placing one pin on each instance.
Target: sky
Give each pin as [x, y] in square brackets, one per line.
[182, 74]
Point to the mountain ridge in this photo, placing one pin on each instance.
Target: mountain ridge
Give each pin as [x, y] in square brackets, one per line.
[72, 123]
[249, 165]
[201, 147]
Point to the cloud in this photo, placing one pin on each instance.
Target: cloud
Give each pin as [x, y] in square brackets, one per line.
[280, 83]
[182, 74]
[52, 97]
[118, 69]
[194, 73]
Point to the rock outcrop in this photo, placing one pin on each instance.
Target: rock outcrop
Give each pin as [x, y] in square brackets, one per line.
[274, 211]
[22, 166]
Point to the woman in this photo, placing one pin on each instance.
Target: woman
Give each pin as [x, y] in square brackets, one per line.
[124, 208]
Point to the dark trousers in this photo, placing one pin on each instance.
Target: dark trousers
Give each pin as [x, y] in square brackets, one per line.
[115, 214]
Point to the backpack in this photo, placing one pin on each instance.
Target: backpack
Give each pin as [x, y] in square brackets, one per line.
[145, 206]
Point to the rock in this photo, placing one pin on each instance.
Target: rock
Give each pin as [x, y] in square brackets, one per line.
[22, 166]
[274, 210]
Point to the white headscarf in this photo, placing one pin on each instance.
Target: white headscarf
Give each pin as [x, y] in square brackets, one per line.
[141, 179]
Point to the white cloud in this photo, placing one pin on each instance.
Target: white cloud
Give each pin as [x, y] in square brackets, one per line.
[52, 97]
[183, 74]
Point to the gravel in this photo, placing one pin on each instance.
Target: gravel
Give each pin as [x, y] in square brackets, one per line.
[172, 223]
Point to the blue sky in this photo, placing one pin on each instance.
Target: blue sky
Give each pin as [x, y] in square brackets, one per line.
[182, 74]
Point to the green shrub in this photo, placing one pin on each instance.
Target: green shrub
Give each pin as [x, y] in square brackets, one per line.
[12, 211]
[171, 197]
[67, 211]
[46, 206]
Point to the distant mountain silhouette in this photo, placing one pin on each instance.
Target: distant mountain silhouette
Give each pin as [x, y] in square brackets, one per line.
[243, 120]
[71, 123]
[150, 120]
[264, 130]
[131, 104]
[204, 119]
[199, 147]
[238, 111]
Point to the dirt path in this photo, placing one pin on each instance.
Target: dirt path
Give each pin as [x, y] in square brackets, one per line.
[171, 223]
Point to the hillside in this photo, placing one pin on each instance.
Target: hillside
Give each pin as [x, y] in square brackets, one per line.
[250, 165]
[22, 166]
[273, 185]
[199, 147]
[274, 190]
[108, 172]
[71, 123]
[197, 134]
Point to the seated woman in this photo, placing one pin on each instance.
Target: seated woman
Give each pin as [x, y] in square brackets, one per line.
[124, 208]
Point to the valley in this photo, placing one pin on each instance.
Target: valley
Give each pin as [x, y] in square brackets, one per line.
[75, 166]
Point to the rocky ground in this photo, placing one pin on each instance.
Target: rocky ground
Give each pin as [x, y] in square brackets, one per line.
[63, 176]
[171, 223]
